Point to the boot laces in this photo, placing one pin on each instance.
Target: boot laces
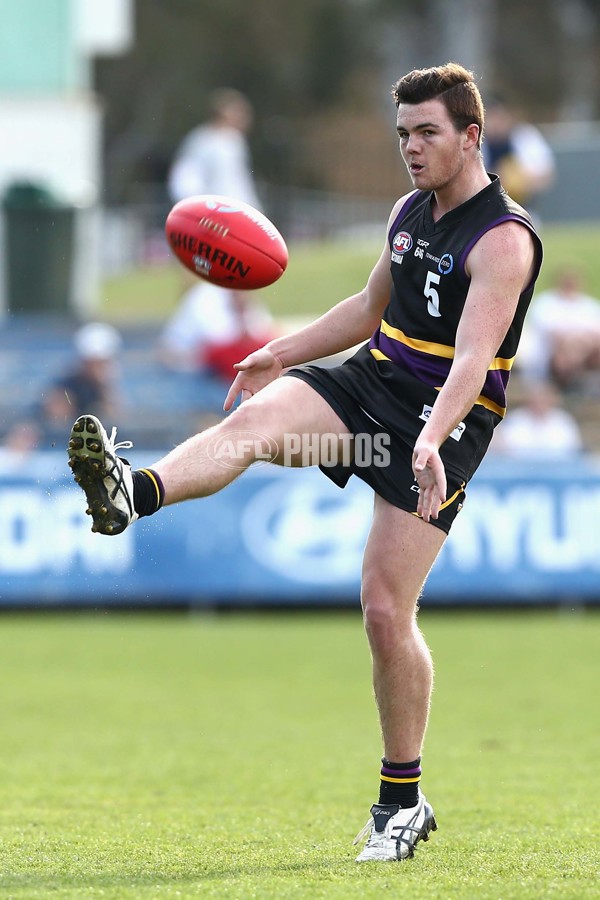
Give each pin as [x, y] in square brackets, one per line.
[364, 831]
[113, 446]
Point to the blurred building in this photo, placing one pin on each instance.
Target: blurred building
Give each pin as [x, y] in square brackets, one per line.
[51, 121]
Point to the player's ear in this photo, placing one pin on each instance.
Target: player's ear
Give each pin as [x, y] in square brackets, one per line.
[471, 135]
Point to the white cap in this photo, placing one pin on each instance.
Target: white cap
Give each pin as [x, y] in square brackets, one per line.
[97, 340]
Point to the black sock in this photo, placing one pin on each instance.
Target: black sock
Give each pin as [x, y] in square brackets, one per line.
[400, 782]
[148, 492]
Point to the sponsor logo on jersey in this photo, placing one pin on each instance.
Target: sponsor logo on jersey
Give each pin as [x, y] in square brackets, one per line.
[400, 245]
[446, 264]
[458, 431]
[421, 248]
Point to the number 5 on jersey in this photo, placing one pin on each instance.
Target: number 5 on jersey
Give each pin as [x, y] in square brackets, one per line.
[433, 298]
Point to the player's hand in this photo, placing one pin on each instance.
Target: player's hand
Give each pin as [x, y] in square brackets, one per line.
[431, 478]
[253, 373]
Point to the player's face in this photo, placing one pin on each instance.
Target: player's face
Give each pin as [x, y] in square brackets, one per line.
[431, 146]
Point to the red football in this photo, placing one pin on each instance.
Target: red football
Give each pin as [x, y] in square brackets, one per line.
[226, 241]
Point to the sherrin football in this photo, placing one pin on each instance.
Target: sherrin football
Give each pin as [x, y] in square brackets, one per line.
[227, 242]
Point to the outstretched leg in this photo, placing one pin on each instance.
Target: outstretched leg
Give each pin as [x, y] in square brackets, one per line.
[259, 429]
[204, 464]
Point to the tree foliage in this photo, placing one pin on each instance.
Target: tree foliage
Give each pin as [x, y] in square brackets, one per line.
[306, 64]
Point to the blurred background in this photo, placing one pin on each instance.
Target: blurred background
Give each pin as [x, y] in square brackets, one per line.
[99, 105]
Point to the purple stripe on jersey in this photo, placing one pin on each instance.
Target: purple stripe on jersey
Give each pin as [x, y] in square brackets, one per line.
[432, 370]
[403, 211]
[508, 218]
[400, 772]
[494, 386]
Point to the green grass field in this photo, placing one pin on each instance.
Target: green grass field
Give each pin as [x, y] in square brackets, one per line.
[320, 274]
[236, 756]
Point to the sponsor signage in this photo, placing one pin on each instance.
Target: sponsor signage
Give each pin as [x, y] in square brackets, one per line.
[276, 536]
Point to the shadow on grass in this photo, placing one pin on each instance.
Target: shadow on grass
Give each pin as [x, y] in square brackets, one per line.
[245, 869]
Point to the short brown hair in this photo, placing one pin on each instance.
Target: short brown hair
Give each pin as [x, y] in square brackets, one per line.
[453, 85]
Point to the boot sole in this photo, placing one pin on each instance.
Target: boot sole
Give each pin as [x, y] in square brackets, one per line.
[87, 460]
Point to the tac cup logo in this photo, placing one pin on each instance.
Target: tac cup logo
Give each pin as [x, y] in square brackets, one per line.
[233, 449]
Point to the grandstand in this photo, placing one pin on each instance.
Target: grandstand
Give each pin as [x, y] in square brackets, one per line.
[160, 407]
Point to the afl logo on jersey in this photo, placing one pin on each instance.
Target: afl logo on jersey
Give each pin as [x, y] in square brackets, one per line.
[400, 245]
[402, 242]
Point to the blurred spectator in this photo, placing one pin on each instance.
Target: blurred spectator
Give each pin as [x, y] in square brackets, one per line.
[539, 429]
[18, 443]
[562, 338]
[518, 152]
[214, 158]
[213, 328]
[90, 385]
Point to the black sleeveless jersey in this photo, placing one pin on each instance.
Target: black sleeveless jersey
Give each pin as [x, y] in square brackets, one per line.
[430, 285]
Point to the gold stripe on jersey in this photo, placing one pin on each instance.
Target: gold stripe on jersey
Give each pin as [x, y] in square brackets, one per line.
[493, 407]
[379, 355]
[483, 401]
[424, 346]
[497, 363]
[443, 350]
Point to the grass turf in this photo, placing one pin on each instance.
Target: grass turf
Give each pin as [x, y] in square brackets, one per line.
[236, 756]
[320, 274]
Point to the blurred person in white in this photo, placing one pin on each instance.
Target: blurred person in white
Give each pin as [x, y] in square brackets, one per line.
[518, 152]
[214, 158]
[91, 383]
[211, 322]
[211, 327]
[540, 429]
[562, 333]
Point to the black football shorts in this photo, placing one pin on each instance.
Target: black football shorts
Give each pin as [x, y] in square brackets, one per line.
[389, 430]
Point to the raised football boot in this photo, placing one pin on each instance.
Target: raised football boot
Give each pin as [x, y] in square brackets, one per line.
[105, 477]
[393, 832]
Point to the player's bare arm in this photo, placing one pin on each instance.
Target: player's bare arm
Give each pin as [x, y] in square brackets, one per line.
[500, 265]
[346, 324]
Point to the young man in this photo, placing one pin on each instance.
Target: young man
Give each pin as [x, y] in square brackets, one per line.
[442, 313]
